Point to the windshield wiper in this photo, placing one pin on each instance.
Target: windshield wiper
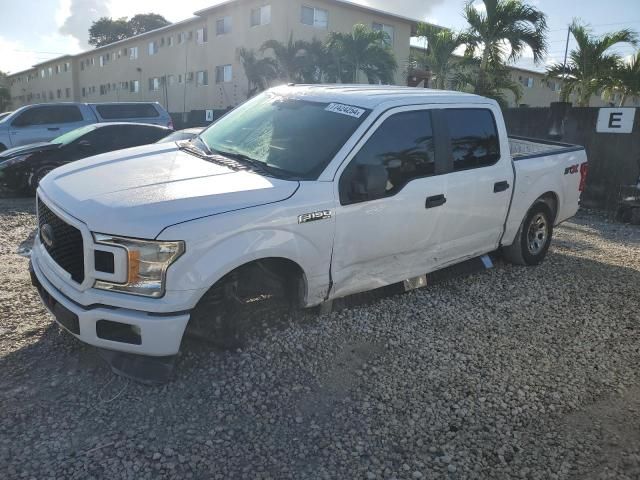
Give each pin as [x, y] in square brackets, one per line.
[254, 164]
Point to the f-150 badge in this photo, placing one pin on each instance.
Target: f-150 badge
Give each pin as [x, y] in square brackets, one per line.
[312, 217]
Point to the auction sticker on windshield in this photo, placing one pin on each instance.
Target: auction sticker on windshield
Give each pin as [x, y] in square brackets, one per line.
[345, 110]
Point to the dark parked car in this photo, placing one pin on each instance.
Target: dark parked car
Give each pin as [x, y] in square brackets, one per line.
[22, 168]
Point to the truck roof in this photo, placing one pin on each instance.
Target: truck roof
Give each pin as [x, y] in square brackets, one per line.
[371, 96]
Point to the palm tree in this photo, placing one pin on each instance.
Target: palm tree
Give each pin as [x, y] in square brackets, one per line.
[362, 51]
[5, 94]
[259, 72]
[438, 59]
[501, 32]
[315, 64]
[495, 82]
[625, 80]
[590, 65]
[289, 57]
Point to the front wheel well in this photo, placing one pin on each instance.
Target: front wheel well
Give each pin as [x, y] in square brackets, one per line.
[270, 270]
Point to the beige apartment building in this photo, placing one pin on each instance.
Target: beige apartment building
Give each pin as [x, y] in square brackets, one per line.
[194, 64]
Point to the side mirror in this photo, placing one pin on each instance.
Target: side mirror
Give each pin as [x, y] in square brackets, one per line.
[369, 182]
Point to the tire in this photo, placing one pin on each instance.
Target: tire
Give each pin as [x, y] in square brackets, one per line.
[533, 239]
[237, 306]
[37, 175]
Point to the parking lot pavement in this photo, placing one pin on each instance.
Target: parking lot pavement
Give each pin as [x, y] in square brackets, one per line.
[511, 373]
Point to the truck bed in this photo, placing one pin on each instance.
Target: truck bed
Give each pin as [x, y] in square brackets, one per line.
[523, 147]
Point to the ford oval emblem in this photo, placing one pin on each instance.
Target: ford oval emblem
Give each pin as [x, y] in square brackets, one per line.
[47, 236]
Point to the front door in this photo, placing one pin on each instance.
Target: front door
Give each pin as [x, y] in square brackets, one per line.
[390, 205]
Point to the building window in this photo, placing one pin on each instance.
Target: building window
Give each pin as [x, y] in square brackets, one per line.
[103, 89]
[201, 36]
[57, 69]
[154, 84]
[388, 29]
[170, 41]
[134, 86]
[528, 82]
[315, 17]
[224, 73]
[182, 37]
[153, 48]
[67, 92]
[59, 93]
[171, 80]
[42, 73]
[223, 25]
[50, 71]
[261, 16]
[67, 67]
[202, 78]
[133, 53]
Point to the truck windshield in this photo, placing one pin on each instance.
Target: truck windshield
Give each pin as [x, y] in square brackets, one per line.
[67, 138]
[297, 137]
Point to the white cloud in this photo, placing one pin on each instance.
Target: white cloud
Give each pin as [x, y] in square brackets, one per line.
[15, 56]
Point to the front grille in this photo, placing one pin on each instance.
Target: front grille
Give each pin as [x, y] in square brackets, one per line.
[66, 247]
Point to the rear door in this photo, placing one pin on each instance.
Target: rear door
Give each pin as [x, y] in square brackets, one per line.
[43, 123]
[479, 182]
[390, 237]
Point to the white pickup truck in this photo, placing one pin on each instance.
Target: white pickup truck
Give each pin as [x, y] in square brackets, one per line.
[303, 193]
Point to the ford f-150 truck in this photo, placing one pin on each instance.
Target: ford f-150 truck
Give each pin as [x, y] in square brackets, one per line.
[301, 195]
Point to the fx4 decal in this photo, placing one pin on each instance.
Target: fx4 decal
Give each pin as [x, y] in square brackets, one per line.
[315, 216]
[572, 169]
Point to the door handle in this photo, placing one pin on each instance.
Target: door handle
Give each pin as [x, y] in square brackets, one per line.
[435, 201]
[500, 186]
[53, 129]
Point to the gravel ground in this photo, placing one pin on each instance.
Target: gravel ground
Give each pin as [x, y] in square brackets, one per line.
[516, 372]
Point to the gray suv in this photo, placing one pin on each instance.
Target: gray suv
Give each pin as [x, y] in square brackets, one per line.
[44, 122]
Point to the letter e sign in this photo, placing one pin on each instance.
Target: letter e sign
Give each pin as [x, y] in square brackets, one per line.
[615, 120]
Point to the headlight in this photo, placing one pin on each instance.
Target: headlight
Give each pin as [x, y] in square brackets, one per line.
[147, 263]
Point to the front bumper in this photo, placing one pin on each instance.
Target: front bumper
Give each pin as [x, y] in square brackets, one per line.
[111, 328]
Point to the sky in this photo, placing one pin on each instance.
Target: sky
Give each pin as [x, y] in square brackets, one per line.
[32, 31]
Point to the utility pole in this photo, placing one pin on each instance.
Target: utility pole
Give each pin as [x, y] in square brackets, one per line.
[566, 52]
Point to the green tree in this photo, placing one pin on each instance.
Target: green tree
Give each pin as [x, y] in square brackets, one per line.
[500, 33]
[145, 22]
[259, 71]
[438, 58]
[316, 64]
[625, 80]
[105, 31]
[362, 51]
[289, 57]
[591, 65]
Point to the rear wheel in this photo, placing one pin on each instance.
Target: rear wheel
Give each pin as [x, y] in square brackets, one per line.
[243, 302]
[533, 238]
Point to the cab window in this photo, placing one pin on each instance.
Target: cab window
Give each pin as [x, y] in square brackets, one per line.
[402, 149]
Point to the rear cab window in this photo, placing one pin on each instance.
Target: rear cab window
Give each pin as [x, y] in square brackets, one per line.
[127, 110]
[473, 136]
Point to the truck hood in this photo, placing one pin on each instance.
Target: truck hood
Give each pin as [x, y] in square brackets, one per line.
[140, 191]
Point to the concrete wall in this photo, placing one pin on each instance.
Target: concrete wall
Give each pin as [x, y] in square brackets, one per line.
[612, 157]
